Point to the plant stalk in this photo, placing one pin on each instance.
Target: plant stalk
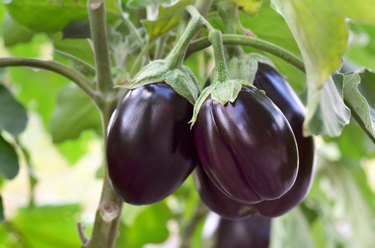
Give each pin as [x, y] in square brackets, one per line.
[58, 68]
[176, 56]
[233, 39]
[98, 28]
[107, 218]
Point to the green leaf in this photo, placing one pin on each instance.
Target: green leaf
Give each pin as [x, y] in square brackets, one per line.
[181, 79]
[48, 226]
[326, 112]
[76, 49]
[13, 33]
[168, 18]
[319, 28]
[150, 226]
[52, 16]
[9, 165]
[357, 102]
[75, 112]
[291, 230]
[13, 116]
[250, 6]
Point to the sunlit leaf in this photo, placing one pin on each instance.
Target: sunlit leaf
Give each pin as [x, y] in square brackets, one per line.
[74, 113]
[9, 166]
[168, 18]
[13, 116]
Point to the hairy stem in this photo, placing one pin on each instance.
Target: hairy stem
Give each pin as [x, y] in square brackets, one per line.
[58, 68]
[176, 56]
[97, 18]
[232, 39]
[107, 218]
[221, 73]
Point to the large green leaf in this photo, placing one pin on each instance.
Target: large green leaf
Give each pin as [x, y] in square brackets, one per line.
[168, 18]
[48, 226]
[75, 112]
[150, 226]
[9, 166]
[320, 30]
[14, 33]
[51, 16]
[13, 116]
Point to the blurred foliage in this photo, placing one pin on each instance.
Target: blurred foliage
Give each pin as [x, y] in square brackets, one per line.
[338, 212]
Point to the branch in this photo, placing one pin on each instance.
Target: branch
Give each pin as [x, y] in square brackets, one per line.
[98, 28]
[233, 39]
[58, 68]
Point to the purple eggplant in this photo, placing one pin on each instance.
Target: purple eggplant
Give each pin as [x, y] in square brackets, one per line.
[253, 232]
[216, 200]
[247, 148]
[150, 147]
[278, 90]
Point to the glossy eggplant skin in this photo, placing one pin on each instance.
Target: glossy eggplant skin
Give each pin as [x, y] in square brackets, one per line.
[216, 200]
[247, 148]
[253, 232]
[278, 90]
[150, 147]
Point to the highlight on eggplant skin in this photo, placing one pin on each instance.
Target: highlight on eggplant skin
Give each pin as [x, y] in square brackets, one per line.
[247, 148]
[150, 147]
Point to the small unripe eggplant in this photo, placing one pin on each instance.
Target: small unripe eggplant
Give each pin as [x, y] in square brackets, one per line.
[247, 148]
[150, 147]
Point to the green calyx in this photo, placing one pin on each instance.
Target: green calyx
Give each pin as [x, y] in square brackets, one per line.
[171, 69]
[223, 89]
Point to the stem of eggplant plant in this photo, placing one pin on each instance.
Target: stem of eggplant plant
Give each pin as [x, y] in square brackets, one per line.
[105, 230]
